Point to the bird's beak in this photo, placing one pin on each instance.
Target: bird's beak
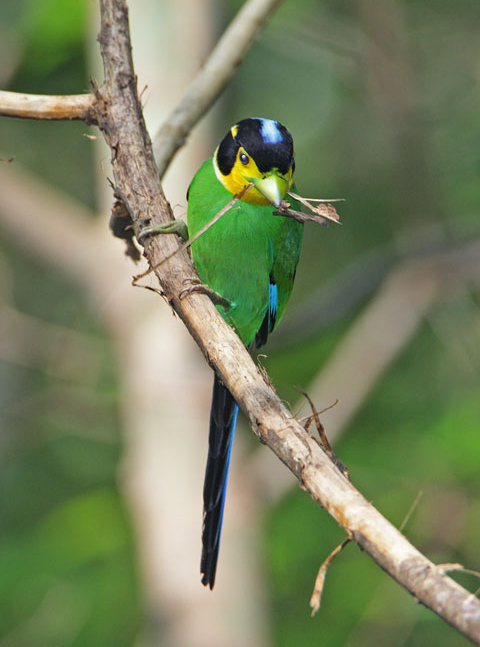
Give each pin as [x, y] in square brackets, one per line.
[273, 186]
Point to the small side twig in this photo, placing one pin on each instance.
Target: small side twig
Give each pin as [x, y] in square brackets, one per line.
[320, 213]
[321, 432]
[316, 598]
[459, 568]
[50, 107]
[410, 511]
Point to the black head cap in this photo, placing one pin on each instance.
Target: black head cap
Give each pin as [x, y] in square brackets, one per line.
[267, 142]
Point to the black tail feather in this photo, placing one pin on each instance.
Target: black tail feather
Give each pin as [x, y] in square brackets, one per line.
[223, 417]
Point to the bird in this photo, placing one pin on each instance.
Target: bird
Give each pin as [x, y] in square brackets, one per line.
[248, 258]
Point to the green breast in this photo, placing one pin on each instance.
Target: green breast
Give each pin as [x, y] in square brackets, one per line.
[243, 252]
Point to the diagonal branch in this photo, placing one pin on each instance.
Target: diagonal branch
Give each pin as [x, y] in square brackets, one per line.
[212, 79]
[137, 182]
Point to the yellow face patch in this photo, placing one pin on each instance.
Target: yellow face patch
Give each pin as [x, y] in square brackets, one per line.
[243, 169]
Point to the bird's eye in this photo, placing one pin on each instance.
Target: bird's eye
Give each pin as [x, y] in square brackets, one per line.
[243, 158]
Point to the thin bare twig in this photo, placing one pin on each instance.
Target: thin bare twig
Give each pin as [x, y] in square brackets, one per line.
[411, 510]
[316, 598]
[41, 106]
[321, 431]
[321, 212]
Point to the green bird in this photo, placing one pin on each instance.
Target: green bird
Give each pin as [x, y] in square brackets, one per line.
[249, 258]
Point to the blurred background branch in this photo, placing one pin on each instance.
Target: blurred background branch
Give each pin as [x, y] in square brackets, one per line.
[210, 82]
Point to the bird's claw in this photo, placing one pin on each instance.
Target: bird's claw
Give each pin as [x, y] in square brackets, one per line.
[197, 286]
[173, 227]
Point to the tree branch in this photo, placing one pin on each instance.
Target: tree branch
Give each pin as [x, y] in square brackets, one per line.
[136, 181]
[42, 106]
[212, 79]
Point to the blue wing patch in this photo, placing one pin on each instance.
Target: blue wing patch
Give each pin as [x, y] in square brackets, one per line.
[272, 305]
[268, 323]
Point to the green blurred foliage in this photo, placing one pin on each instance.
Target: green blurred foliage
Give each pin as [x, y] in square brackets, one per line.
[54, 32]
[67, 557]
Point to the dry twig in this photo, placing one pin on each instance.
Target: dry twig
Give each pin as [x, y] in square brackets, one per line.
[320, 213]
[316, 598]
[41, 106]
[315, 417]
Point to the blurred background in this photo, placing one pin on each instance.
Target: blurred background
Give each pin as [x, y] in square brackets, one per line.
[104, 399]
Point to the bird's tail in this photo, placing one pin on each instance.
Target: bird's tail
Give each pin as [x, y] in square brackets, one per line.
[223, 417]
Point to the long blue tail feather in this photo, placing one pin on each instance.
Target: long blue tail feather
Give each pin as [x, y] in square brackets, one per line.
[223, 418]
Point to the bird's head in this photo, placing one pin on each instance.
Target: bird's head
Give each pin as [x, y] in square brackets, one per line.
[259, 151]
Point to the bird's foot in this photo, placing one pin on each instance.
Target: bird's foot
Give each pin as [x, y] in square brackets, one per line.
[202, 288]
[173, 227]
